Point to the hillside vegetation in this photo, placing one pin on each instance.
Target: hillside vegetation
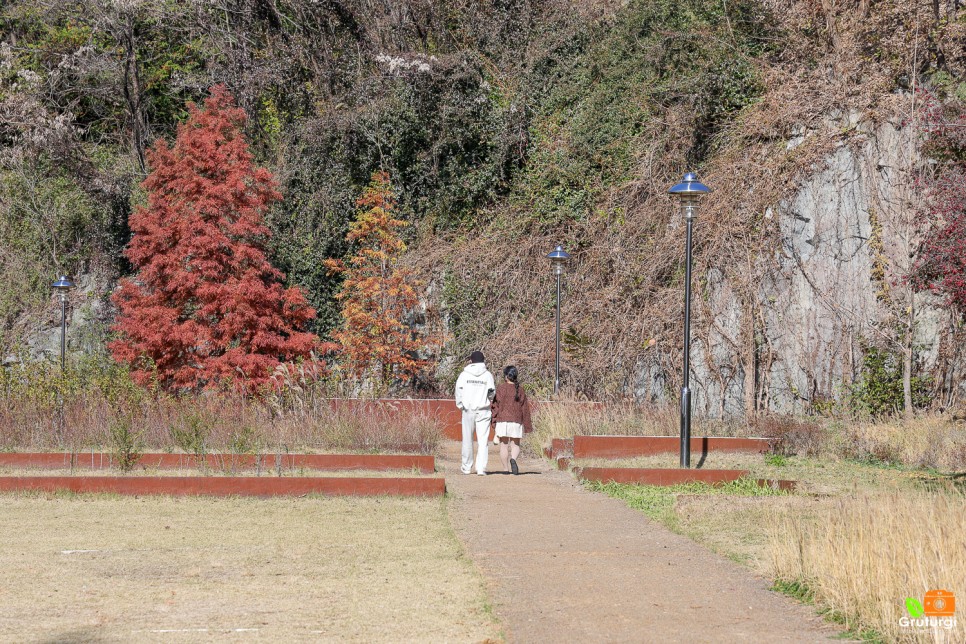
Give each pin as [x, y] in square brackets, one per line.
[506, 128]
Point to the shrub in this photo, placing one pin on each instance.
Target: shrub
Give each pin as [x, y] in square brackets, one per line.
[126, 442]
[244, 441]
[792, 436]
[190, 432]
[878, 391]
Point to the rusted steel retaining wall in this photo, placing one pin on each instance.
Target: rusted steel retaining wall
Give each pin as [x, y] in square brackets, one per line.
[324, 462]
[227, 485]
[631, 446]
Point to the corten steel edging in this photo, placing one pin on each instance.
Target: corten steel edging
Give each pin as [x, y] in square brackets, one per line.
[323, 462]
[47, 460]
[630, 446]
[653, 476]
[226, 486]
[645, 476]
[562, 447]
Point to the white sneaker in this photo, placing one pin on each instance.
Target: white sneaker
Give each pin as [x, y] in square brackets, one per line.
[481, 473]
[465, 472]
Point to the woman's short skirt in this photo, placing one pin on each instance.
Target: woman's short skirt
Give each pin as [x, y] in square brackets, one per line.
[509, 430]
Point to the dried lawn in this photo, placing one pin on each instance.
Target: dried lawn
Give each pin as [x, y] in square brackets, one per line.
[96, 568]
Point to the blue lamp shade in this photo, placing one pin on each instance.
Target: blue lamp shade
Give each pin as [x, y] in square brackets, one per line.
[558, 255]
[690, 187]
[63, 284]
[689, 192]
[558, 259]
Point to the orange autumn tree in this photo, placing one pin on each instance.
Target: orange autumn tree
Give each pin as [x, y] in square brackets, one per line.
[206, 308]
[375, 341]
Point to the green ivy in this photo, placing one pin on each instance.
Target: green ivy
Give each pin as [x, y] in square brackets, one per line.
[603, 93]
[47, 225]
[878, 390]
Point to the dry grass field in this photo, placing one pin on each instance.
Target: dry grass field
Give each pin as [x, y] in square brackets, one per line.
[103, 568]
[861, 555]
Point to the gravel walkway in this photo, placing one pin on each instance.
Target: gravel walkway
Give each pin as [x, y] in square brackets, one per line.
[565, 564]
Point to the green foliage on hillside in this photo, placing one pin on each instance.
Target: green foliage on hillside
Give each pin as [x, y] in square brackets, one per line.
[48, 224]
[440, 129]
[603, 93]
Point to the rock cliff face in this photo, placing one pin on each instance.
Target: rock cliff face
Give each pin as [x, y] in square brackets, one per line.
[88, 316]
[835, 281]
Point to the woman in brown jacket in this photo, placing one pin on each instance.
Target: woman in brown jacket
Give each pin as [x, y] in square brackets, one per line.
[511, 415]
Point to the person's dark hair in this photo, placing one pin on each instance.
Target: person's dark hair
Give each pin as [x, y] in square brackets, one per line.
[510, 373]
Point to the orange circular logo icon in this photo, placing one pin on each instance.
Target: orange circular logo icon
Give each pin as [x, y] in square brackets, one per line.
[939, 603]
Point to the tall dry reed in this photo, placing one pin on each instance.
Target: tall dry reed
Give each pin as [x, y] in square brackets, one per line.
[861, 557]
[927, 441]
[565, 419]
[43, 409]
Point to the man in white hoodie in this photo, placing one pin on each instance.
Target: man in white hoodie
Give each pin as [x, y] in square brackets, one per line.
[474, 391]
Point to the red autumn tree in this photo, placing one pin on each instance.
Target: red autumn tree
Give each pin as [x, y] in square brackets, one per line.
[375, 341]
[206, 308]
[941, 263]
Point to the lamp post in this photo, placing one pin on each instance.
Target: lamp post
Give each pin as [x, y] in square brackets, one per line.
[558, 259]
[63, 286]
[689, 192]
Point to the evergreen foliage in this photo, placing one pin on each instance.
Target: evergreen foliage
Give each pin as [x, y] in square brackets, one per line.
[878, 391]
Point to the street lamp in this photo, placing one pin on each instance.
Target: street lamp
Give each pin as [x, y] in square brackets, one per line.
[689, 192]
[63, 286]
[558, 259]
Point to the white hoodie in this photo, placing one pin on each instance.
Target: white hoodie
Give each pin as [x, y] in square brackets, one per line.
[473, 388]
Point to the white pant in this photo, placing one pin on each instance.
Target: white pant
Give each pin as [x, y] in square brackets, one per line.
[478, 421]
